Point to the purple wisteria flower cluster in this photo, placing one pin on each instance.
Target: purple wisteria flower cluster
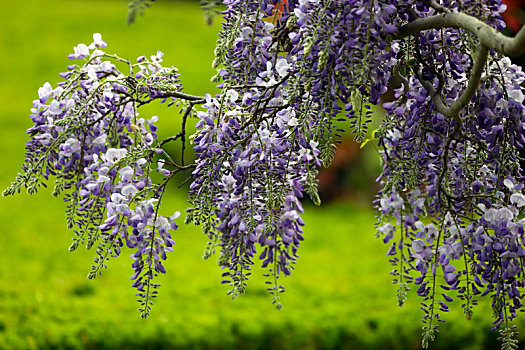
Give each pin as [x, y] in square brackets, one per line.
[87, 133]
[451, 202]
[291, 73]
[283, 77]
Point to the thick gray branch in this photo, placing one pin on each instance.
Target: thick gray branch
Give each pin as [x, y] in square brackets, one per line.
[487, 35]
[473, 82]
[466, 95]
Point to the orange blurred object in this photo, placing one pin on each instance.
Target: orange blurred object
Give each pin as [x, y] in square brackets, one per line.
[281, 8]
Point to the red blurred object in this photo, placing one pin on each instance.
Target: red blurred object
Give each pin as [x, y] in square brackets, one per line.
[511, 16]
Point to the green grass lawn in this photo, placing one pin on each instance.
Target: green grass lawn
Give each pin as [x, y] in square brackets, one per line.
[339, 296]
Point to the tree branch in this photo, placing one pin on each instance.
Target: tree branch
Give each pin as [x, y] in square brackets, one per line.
[466, 95]
[194, 99]
[441, 107]
[473, 83]
[487, 35]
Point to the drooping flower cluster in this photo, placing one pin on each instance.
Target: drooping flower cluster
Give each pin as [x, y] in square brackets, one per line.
[464, 173]
[341, 53]
[283, 75]
[88, 135]
[248, 182]
[451, 201]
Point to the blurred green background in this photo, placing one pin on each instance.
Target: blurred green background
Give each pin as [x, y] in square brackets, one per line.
[339, 297]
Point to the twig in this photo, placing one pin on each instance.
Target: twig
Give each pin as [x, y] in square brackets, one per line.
[194, 99]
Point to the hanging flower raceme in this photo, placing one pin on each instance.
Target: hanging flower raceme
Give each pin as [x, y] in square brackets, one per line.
[283, 79]
[452, 183]
[87, 133]
[252, 196]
